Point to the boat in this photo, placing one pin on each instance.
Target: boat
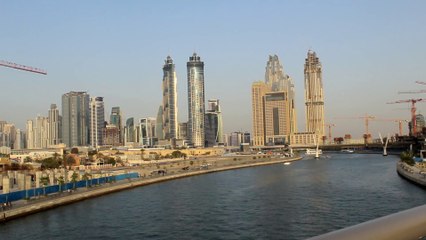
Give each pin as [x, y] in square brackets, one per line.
[287, 163]
[347, 151]
[313, 152]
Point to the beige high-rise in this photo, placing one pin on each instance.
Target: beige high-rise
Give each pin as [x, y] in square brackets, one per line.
[314, 96]
[274, 114]
[258, 90]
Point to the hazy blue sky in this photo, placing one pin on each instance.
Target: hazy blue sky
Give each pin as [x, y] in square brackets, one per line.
[369, 50]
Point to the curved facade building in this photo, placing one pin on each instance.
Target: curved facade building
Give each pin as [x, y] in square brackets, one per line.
[314, 96]
[196, 105]
[170, 110]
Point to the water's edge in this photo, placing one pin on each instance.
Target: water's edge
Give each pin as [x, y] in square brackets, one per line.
[76, 197]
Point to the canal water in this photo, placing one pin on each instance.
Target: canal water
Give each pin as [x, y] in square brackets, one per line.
[297, 201]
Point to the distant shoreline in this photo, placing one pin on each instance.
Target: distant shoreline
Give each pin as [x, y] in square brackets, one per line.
[68, 198]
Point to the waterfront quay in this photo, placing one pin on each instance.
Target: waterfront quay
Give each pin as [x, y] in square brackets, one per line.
[412, 173]
[149, 173]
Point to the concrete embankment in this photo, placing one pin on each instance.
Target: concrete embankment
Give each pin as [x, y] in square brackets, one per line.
[68, 198]
[411, 173]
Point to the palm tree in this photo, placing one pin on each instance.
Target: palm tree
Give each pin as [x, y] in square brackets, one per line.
[86, 176]
[44, 182]
[74, 178]
[61, 181]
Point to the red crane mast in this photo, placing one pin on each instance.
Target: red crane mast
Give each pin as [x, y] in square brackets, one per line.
[413, 111]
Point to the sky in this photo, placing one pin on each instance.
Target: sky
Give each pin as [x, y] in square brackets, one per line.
[369, 51]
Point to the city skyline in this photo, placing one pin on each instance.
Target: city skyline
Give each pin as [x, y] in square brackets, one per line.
[363, 49]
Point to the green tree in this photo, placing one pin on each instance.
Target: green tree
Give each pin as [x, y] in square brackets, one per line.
[110, 160]
[50, 163]
[407, 157]
[74, 178]
[178, 154]
[86, 176]
[28, 159]
[61, 182]
[44, 181]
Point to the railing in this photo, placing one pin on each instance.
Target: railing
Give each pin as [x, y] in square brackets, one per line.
[408, 224]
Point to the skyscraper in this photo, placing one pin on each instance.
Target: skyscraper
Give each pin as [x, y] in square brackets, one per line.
[258, 90]
[314, 96]
[116, 119]
[159, 133]
[278, 81]
[273, 108]
[75, 119]
[97, 121]
[129, 131]
[170, 110]
[213, 123]
[196, 108]
[54, 122]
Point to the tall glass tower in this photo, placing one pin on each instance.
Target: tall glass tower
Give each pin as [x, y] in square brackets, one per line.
[54, 121]
[75, 119]
[116, 119]
[97, 121]
[314, 96]
[196, 108]
[170, 110]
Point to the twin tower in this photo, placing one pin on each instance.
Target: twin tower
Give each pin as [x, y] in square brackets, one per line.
[273, 105]
[168, 111]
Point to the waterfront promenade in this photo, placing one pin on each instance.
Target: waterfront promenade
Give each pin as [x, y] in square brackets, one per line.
[149, 174]
[411, 173]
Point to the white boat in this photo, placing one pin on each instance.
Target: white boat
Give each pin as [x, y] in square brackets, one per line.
[287, 163]
[314, 152]
[347, 150]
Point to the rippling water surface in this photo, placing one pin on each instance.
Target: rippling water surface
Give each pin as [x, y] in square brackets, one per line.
[304, 199]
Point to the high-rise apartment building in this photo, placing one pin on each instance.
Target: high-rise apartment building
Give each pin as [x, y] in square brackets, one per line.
[54, 125]
[8, 135]
[314, 96]
[38, 133]
[97, 121]
[258, 90]
[159, 133]
[196, 104]
[273, 108]
[116, 119]
[213, 124]
[278, 81]
[111, 135]
[170, 110]
[276, 118]
[129, 131]
[75, 119]
[147, 131]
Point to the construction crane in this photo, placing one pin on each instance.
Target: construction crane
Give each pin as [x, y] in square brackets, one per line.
[329, 125]
[413, 112]
[22, 67]
[399, 121]
[366, 119]
[414, 92]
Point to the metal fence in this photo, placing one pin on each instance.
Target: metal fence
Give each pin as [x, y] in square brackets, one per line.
[34, 192]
